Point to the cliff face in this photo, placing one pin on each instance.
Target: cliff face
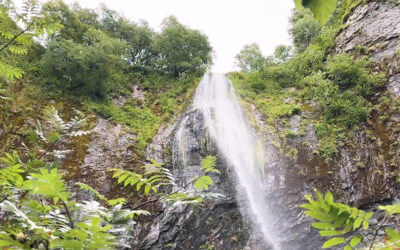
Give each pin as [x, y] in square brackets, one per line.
[362, 173]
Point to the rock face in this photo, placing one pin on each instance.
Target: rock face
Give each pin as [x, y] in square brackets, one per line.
[219, 224]
[376, 28]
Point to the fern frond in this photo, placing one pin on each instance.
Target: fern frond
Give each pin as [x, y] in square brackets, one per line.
[39, 131]
[53, 119]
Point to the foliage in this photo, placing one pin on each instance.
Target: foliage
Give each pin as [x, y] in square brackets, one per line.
[181, 50]
[336, 89]
[346, 73]
[39, 212]
[342, 224]
[94, 68]
[303, 29]
[39, 209]
[336, 219]
[99, 54]
[344, 108]
[250, 58]
[15, 40]
[156, 176]
[282, 53]
[322, 9]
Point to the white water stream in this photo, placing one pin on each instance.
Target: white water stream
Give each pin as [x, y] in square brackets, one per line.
[228, 127]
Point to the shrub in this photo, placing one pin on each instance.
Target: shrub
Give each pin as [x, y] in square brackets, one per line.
[282, 74]
[347, 73]
[344, 108]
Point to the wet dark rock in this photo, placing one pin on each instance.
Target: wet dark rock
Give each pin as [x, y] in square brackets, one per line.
[110, 147]
[218, 223]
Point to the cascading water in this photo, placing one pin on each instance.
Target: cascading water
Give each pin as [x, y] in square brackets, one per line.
[227, 125]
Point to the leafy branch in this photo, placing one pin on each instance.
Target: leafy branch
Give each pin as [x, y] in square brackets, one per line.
[341, 223]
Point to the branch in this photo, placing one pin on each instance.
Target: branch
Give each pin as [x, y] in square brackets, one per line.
[376, 232]
[71, 222]
[145, 203]
[15, 37]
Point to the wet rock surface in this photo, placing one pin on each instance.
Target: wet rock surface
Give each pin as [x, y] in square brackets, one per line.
[219, 222]
[110, 146]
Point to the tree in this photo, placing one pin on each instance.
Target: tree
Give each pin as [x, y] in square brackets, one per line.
[94, 68]
[303, 29]
[283, 53]
[250, 58]
[138, 36]
[181, 50]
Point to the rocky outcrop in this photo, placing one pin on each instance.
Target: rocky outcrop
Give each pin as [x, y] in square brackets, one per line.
[375, 28]
[216, 225]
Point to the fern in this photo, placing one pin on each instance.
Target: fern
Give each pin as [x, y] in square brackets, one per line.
[152, 179]
[203, 182]
[208, 164]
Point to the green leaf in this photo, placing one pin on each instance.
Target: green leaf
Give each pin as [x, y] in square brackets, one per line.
[357, 223]
[208, 164]
[203, 182]
[333, 242]
[120, 201]
[89, 188]
[355, 240]
[10, 72]
[48, 183]
[322, 9]
[329, 198]
[391, 209]
[329, 233]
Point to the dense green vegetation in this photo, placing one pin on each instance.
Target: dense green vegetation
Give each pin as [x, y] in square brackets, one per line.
[335, 87]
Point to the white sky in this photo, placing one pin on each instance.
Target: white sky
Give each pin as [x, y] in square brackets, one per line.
[229, 24]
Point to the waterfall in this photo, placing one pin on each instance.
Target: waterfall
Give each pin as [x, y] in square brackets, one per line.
[227, 125]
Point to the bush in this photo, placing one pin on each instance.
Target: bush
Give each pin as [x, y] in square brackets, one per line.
[343, 108]
[282, 74]
[347, 73]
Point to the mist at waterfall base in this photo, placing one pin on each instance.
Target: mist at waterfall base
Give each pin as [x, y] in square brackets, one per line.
[227, 125]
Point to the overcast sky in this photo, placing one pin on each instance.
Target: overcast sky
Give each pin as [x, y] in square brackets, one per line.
[229, 24]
